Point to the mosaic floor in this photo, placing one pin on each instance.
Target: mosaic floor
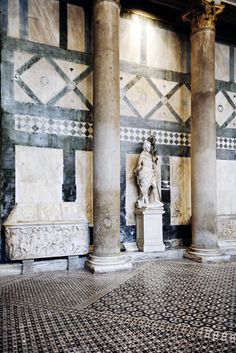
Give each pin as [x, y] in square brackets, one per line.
[160, 307]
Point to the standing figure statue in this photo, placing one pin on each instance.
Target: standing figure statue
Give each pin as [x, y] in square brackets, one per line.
[146, 175]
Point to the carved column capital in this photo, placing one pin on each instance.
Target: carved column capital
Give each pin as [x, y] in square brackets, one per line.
[204, 15]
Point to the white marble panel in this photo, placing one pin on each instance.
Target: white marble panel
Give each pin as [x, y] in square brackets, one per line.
[180, 193]
[44, 21]
[13, 28]
[84, 182]
[38, 192]
[226, 187]
[130, 35]
[131, 186]
[222, 62]
[39, 174]
[75, 28]
[166, 49]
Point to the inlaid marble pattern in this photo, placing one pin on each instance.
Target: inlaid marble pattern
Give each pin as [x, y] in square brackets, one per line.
[13, 19]
[156, 99]
[47, 80]
[44, 21]
[51, 126]
[166, 49]
[180, 192]
[222, 62]
[226, 109]
[75, 28]
[34, 124]
[160, 307]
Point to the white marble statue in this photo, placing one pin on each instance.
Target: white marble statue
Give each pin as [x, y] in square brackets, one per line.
[146, 176]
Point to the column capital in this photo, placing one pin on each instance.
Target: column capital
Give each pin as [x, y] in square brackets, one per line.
[116, 2]
[204, 15]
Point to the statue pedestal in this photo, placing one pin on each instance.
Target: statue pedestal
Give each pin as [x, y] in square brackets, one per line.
[149, 229]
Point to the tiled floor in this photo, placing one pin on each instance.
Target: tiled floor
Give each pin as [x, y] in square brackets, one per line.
[162, 307]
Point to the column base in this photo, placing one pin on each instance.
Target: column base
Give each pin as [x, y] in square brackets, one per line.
[205, 255]
[104, 264]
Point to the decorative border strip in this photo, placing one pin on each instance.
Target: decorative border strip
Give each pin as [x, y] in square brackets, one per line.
[34, 124]
[163, 137]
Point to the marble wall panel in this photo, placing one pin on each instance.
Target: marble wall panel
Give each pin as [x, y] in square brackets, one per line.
[166, 49]
[234, 64]
[226, 190]
[13, 29]
[222, 62]
[130, 35]
[180, 192]
[75, 28]
[84, 182]
[131, 186]
[44, 21]
[39, 175]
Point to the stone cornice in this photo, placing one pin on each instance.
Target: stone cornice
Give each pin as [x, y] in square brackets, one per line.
[204, 15]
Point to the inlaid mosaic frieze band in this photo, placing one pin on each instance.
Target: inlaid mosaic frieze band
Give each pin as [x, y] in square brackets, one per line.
[34, 124]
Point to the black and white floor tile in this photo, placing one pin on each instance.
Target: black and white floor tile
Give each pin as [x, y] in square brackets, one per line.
[161, 307]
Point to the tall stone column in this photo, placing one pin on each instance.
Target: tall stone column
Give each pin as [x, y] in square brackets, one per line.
[106, 152]
[203, 132]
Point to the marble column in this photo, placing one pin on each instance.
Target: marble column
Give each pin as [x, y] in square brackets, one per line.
[106, 152]
[203, 132]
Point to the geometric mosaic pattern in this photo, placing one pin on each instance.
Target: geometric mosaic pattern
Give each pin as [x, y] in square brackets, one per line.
[163, 137]
[34, 124]
[148, 98]
[226, 108]
[44, 80]
[162, 307]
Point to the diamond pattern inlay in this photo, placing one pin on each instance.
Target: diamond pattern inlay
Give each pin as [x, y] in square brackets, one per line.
[43, 80]
[180, 101]
[223, 108]
[143, 97]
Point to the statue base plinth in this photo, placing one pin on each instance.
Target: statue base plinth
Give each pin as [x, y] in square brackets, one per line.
[149, 228]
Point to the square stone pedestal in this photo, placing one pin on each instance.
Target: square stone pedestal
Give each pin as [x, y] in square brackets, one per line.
[149, 229]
